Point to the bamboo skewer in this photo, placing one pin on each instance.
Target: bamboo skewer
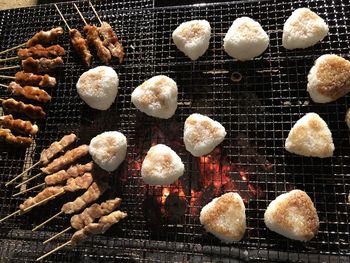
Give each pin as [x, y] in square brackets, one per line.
[29, 189]
[12, 48]
[80, 14]
[7, 77]
[28, 180]
[10, 67]
[7, 59]
[21, 174]
[4, 86]
[53, 250]
[93, 8]
[64, 20]
[57, 235]
[47, 221]
[10, 215]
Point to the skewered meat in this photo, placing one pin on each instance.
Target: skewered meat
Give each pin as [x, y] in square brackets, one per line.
[6, 135]
[44, 194]
[31, 79]
[41, 65]
[81, 46]
[110, 40]
[73, 171]
[66, 159]
[101, 227]
[38, 51]
[94, 39]
[78, 183]
[14, 106]
[29, 92]
[56, 147]
[94, 211]
[44, 37]
[92, 194]
[17, 125]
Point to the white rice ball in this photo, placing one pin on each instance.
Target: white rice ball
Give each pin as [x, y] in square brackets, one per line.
[156, 97]
[245, 39]
[202, 134]
[108, 150]
[225, 218]
[161, 166]
[98, 87]
[329, 79]
[303, 29]
[293, 215]
[192, 38]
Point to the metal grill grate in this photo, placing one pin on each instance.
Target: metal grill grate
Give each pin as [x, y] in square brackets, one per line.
[257, 112]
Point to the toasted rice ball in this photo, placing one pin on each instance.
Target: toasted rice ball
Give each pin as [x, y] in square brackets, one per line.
[310, 136]
[108, 150]
[329, 79]
[161, 166]
[98, 87]
[347, 118]
[245, 39]
[156, 97]
[192, 38]
[293, 215]
[303, 29]
[224, 217]
[202, 134]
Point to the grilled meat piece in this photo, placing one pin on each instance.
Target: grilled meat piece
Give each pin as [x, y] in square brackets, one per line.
[29, 92]
[56, 147]
[6, 135]
[44, 37]
[94, 39]
[41, 65]
[78, 183]
[17, 125]
[110, 40]
[81, 46]
[14, 106]
[73, 171]
[31, 79]
[38, 51]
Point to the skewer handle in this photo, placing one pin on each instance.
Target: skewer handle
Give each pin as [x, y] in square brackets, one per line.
[93, 9]
[10, 215]
[7, 59]
[29, 189]
[4, 86]
[53, 250]
[7, 77]
[11, 67]
[80, 14]
[47, 221]
[57, 235]
[12, 48]
[21, 174]
[64, 20]
[28, 180]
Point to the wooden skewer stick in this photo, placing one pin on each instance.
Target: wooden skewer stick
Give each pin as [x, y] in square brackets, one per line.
[21, 174]
[64, 20]
[7, 59]
[48, 220]
[41, 202]
[98, 17]
[12, 48]
[81, 16]
[4, 86]
[7, 77]
[53, 250]
[29, 189]
[28, 180]
[11, 67]
[57, 235]
[10, 215]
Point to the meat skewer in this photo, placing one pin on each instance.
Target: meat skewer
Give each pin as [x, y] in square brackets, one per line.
[110, 39]
[47, 154]
[94, 39]
[6, 135]
[101, 227]
[42, 37]
[41, 65]
[78, 42]
[18, 125]
[95, 190]
[88, 216]
[14, 106]
[28, 92]
[69, 157]
[30, 79]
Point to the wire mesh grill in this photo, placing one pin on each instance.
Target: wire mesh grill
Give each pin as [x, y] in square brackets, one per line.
[257, 112]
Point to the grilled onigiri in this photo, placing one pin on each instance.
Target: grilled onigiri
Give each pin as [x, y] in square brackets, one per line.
[192, 38]
[161, 166]
[202, 134]
[303, 29]
[329, 79]
[98, 87]
[156, 97]
[108, 150]
[245, 39]
[310, 136]
[293, 215]
[225, 218]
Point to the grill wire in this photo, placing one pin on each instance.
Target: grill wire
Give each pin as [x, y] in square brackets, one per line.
[257, 112]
